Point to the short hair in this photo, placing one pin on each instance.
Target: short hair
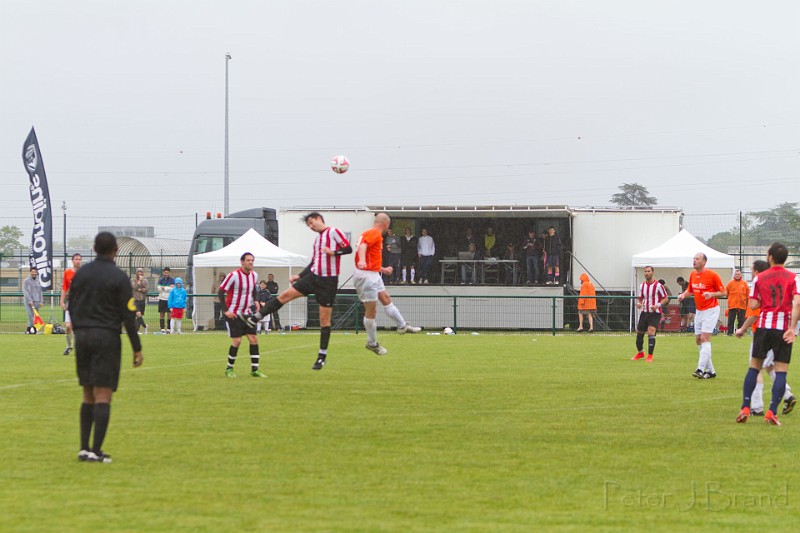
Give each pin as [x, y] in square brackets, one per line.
[262, 282]
[245, 255]
[661, 281]
[167, 269]
[779, 253]
[650, 267]
[32, 269]
[680, 279]
[105, 243]
[313, 214]
[551, 228]
[760, 266]
[76, 254]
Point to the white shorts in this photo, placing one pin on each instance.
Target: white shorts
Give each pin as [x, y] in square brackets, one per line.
[706, 320]
[368, 284]
[67, 318]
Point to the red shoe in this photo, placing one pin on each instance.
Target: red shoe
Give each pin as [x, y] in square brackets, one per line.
[649, 358]
[770, 418]
[638, 356]
[743, 415]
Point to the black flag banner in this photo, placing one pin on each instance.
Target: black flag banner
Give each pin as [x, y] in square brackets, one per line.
[41, 252]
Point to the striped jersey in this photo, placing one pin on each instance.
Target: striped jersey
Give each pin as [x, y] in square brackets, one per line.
[650, 294]
[322, 264]
[775, 289]
[239, 290]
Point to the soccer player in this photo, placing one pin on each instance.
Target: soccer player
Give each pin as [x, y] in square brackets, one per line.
[68, 275]
[652, 296]
[320, 277]
[706, 286]
[237, 294]
[165, 284]
[777, 292]
[757, 399]
[369, 283]
[100, 299]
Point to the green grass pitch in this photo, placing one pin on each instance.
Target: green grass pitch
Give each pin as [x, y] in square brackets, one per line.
[445, 433]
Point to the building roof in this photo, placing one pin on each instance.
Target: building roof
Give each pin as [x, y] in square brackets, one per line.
[149, 252]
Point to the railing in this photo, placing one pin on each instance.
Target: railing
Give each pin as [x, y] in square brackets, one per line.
[533, 314]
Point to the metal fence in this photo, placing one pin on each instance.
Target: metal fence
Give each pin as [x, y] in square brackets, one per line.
[522, 314]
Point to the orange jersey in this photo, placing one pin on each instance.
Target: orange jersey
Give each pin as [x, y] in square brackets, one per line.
[738, 293]
[587, 289]
[373, 238]
[68, 275]
[705, 281]
[752, 312]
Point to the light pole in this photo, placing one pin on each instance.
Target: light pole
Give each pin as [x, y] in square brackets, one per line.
[64, 208]
[227, 199]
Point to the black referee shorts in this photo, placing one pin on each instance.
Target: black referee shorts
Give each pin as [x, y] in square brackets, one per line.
[97, 357]
[765, 340]
[324, 288]
[648, 320]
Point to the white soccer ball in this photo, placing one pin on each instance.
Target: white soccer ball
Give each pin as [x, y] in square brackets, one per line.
[449, 331]
[340, 164]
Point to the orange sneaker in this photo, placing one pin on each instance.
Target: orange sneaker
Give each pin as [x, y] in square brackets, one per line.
[770, 418]
[638, 356]
[649, 358]
[744, 414]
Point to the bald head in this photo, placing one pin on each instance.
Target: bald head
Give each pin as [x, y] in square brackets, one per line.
[382, 221]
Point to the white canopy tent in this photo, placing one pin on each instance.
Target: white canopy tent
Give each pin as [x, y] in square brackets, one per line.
[674, 258]
[269, 259]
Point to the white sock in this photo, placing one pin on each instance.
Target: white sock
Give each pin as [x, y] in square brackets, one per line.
[258, 327]
[405, 270]
[412, 275]
[372, 330]
[704, 363]
[394, 313]
[788, 393]
[172, 325]
[757, 399]
[179, 324]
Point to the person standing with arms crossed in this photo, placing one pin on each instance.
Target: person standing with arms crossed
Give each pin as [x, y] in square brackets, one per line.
[139, 285]
[100, 300]
[652, 297]
[165, 284]
[777, 292]
[706, 286]
[237, 294]
[65, 284]
[737, 291]
[320, 278]
[369, 283]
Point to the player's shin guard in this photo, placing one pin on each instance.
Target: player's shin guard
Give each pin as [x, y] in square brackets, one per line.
[232, 351]
[750, 380]
[639, 342]
[324, 338]
[87, 419]
[651, 344]
[255, 358]
[372, 330]
[778, 388]
[102, 413]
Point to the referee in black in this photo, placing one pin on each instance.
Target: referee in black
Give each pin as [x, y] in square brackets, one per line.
[101, 300]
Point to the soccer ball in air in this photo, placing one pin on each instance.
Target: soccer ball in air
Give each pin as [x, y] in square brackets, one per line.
[340, 164]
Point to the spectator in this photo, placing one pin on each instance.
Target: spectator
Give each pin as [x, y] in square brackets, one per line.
[469, 238]
[552, 246]
[489, 243]
[533, 257]
[426, 249]
[139, 286]
[165, 284]
[32, 294]
[262, 297]
[510, 268]
[663, 314]
[217, 304]
[737, 292]
[408, 256]
[391, 245]
[469, 271]
[543, 259]
[272, 287]
[687, 307]
[176, 302]
[587, 303]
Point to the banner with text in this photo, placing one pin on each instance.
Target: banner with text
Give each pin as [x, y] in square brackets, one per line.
[41, 252]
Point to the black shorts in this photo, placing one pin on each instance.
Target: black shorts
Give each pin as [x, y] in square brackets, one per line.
[97, 357]
[687, 306]
[163, 306]
[237, 328]
[648, 320]
[140, 305]
[765, 340]
[324, 288]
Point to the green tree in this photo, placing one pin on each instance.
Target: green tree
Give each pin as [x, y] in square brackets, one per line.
[633, 195]
[781, 224]
[9, 240]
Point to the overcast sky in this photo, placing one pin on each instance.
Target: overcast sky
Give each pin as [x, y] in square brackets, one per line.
[434, 102]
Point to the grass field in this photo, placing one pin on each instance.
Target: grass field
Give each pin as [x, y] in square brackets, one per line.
[446, 433]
